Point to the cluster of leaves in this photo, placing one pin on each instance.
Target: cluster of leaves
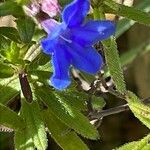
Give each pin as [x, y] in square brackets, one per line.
[24, 73]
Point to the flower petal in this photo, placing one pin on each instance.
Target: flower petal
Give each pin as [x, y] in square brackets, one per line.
[75, 12]
[60, 78]
[47, 45]
[50, 7]
[92, 32]
[49, 25]
[86, 59]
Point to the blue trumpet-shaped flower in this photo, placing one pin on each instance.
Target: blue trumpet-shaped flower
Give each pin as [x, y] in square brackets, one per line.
[70, 42]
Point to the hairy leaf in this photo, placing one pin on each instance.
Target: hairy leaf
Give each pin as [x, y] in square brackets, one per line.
[128, 12]
[65, 138]
[34, 124]
[23, 140]
[10, 119]
[137, 145]
[124, 24]
[66, 113]
[141, 111]
[113, 62]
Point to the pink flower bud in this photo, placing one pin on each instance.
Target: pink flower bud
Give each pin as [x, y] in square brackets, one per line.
[50, 7]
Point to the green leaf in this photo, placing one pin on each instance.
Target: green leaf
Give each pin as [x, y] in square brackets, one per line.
[141, 111]
[34, 124]
[9, 89]
[6, 71]
[12, 54]
[74, 98]
[113, 63]
[26, 29]
[10, 8]
[65, 138]
[10, 119]
[4, 44]
[23, 140]
[10, 33]
[137, 145]
[128, 12]
[97, 102]
[124, 24]
[66, 113]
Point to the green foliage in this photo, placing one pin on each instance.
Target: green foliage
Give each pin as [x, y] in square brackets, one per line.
[9, 89]
[35, 129]
[141, 111]
[10, 119]
[137, 145]
[113, 62]
[98, 103]
[125, 24]
[4, 44]
[66, 113]
[128, 12]
[10, 8]
[64, 136]
[10, 33]
[26, 29]
[23, 140]
[74, 98]
[5, 71]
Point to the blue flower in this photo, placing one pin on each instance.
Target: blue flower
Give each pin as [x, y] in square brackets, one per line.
[70, 42]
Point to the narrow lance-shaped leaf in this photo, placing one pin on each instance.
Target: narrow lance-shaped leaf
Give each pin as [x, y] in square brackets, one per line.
[112, 57]
[124, 24]
[67, 114]
[34, 124]
[141, 111]
[74, 98]
[10, 119]
[142, 144]
[128, 12]
[23, 140]
[113, 63]
[65, 138]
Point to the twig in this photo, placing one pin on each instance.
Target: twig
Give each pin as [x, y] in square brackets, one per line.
[115, 110]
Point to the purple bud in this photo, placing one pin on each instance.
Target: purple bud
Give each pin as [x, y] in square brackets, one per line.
[49, 25]
[49, 7]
